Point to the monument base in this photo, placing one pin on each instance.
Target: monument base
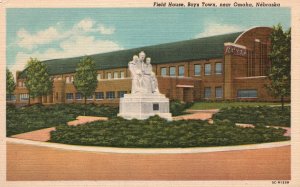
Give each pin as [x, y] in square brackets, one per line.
[142, 106]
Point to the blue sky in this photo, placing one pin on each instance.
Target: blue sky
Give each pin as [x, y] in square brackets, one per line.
[62, 33]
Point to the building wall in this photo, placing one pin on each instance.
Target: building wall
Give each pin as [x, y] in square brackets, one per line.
[239, 72]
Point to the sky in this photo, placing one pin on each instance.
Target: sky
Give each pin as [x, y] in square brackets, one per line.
[64, 32]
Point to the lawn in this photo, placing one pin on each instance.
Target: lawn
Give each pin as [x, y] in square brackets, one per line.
[219, 105]
[156, 132]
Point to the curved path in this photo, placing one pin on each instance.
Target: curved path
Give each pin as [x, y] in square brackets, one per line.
[33, 162]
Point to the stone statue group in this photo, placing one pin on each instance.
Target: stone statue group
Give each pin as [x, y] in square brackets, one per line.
[143, 78]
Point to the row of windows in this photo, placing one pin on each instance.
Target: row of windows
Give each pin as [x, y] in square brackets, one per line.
[115, 75]
[218, 92]
[243, 93]
[172, 71]
[70, 79]
[98, 95]
[197, 70]
[247, 93]
[10, 97]
[163, 72]
[24, 97]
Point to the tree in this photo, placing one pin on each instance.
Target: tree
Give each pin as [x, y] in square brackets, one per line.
[10, 83]
[38, 81]
[280, 71]
[85, 79]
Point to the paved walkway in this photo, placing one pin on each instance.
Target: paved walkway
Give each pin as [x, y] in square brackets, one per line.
[199, 115]
[32, 162]
[80, 120]
[41, 135]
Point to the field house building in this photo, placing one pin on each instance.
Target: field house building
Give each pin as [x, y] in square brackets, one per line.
[224, 67]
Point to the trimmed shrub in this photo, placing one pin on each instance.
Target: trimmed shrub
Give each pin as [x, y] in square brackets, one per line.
[263, 115]
[34, 117]
[156, 132]
[177, 108]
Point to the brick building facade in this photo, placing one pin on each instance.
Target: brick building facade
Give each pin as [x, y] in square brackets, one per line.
[224, 67]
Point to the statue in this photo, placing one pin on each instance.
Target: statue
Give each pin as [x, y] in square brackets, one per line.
[143, 78]
[134, 67]
[147, 70]
[145, 99]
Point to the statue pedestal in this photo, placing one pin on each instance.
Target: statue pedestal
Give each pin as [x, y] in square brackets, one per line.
[143, 105]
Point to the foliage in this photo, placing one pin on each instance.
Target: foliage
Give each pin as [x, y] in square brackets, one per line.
[206, 105]
[10, 82]
[280, 56]
[85, 79]
[156, 132]
[29, 118]
[261, 115]
[37, 81]
[177, 108]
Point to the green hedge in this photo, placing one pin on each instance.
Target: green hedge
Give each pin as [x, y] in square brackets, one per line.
[263, 115]
[29, 118]
[158, 133]
[177, 108]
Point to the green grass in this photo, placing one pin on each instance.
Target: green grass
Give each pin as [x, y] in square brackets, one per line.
[219, 105]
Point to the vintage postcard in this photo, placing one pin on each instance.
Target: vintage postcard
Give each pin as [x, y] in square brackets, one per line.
[149, 93]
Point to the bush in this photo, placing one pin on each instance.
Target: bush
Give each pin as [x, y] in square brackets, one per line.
[34, 117]
[156, 132]
[177, 108]
[264, 115]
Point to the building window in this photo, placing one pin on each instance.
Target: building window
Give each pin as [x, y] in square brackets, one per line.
[116, 75]
[24, 97]
[197, 70]
[207, 69]
[69, 96]
[89, 97]
[163, 71]
[219, 92]
[181, 71]
[121, 94]
[99, 76]
[207, 92]
[99, 95]
[10, 97]
[219, 68]
[78, 96]
[122, 75]
[20, 84]
[108, 75]
[251, 93]
[110, 95]
[172, 71]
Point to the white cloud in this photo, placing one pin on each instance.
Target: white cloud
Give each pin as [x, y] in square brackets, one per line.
[86, 24]
[51, 34]
[77, 41]
[30, 41]
[106, 30]
[212, 29]
[74, 46]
